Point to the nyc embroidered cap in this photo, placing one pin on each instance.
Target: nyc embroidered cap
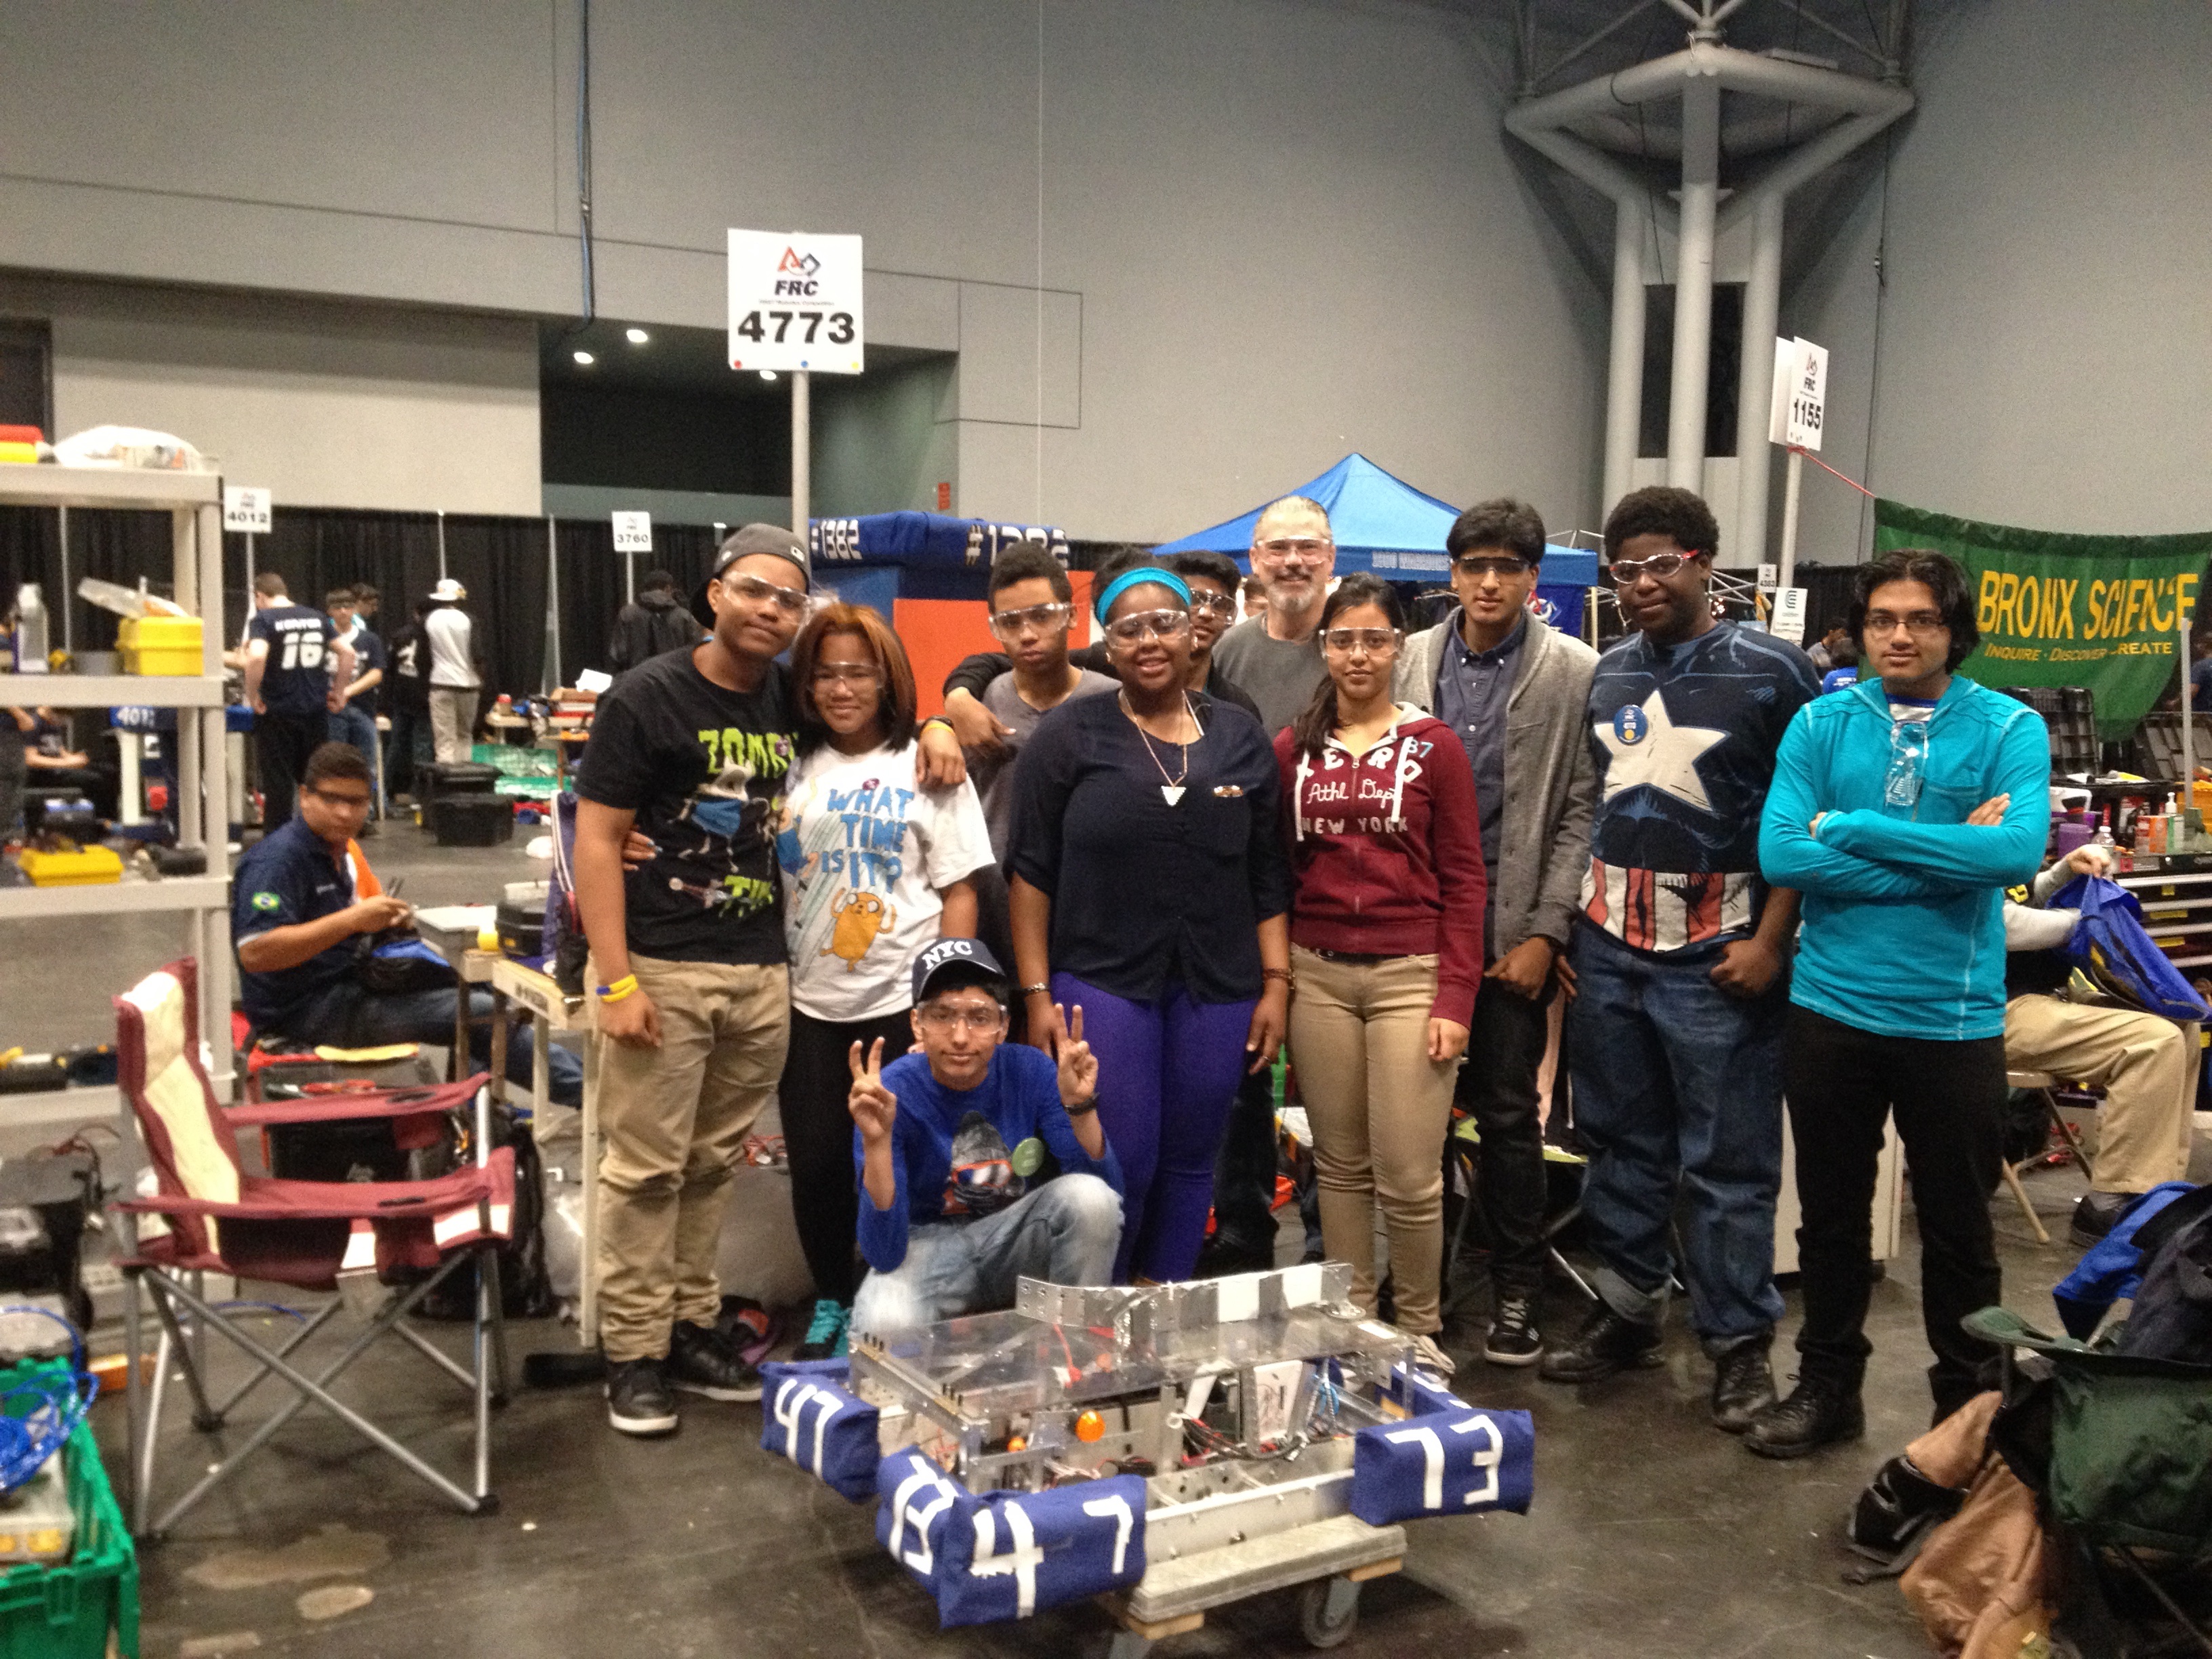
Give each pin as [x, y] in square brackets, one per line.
[769, 538]
[969, 958]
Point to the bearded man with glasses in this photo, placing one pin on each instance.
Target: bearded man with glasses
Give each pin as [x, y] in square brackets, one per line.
[1275, 657]
[691, 750]
[1675, 1039]
[1902, 807]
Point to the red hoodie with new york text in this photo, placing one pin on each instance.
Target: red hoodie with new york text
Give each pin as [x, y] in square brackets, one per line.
[1386, 848]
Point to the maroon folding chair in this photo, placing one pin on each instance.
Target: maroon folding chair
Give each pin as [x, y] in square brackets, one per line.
[211, 1217]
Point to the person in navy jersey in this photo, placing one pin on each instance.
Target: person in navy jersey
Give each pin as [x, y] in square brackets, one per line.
[1150, 883]
[296, 668]
[978, 1162]
[1675, 1040]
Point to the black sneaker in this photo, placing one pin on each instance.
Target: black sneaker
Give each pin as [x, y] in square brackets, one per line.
[1743, 1385]
[1514, 1339]
[2095, 1215]
[638, 1399]
[1607, 1343]
[1817, 1413]
[702, 1360]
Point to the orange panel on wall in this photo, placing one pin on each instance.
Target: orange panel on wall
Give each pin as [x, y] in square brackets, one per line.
[939, 633]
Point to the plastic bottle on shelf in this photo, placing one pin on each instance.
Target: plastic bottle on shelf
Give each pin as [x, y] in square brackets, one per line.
[30, 630]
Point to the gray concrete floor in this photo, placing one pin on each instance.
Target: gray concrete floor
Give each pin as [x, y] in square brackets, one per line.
[1650, 1534]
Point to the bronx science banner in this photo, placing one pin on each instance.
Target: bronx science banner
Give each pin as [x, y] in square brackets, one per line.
[2102, 611]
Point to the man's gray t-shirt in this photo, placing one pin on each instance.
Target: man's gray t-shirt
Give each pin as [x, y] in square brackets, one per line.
[1277, 675]
[993, 775]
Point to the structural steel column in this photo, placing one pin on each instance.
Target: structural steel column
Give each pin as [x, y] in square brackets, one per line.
[1762, 312]
[1693, 282]
[1624, 406]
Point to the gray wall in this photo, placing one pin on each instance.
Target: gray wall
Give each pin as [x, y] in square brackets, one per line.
[884, 440]
[325, 403]
[1272, 230]
[2046, 337]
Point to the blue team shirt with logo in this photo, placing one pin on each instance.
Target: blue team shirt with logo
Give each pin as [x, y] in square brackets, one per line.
[296, 678]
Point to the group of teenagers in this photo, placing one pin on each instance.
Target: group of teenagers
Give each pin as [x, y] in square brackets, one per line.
[1017, 976]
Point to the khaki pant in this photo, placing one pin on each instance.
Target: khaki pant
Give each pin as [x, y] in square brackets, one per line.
[453, 721]
[1379, 1108]
[673, 1121]
[2147, 1067]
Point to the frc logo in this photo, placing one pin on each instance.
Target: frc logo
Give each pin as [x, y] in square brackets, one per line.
[795, 273]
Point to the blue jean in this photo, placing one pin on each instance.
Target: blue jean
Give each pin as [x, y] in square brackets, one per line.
[355, 725]
[347, 1015]
[1168, 1072]
[1678, 1086]
[1065, 1232]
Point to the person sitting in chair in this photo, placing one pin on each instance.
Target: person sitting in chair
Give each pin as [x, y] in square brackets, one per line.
[303, 896]
[2145, 1063]
[978, 1161]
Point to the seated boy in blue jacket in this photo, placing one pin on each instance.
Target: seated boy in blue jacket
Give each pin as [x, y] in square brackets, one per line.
[979, 1160]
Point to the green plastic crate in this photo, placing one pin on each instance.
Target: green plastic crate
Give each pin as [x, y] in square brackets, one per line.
[65, 1612]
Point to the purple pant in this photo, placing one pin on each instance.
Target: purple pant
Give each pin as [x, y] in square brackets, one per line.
[1167, 1073]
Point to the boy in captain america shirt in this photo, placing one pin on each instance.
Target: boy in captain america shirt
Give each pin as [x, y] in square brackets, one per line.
[978, 1161]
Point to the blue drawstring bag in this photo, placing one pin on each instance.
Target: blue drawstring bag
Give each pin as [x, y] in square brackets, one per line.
[2110, 944]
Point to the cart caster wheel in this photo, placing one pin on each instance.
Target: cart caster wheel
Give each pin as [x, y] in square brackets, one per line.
[1327, 1609]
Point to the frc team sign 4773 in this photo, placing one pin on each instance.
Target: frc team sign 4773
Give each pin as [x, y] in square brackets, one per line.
[795, 302]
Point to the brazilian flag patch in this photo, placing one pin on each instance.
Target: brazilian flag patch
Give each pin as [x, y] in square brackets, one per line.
[267, 902]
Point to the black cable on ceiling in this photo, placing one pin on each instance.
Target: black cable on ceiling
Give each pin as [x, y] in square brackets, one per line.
[584, 149]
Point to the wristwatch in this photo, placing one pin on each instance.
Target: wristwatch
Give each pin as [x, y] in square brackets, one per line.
[1084, 1109]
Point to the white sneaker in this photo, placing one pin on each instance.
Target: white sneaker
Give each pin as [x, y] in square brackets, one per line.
[1430, 1357]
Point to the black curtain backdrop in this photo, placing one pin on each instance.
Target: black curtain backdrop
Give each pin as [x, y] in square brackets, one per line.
[501, 561]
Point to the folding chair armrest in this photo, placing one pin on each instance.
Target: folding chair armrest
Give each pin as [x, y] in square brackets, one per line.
[345, 1200]
[429, 1101]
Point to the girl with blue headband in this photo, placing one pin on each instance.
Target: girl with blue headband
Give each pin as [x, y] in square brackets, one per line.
[1150, 886]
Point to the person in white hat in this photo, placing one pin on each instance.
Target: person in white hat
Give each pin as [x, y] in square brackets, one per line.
[456, 676]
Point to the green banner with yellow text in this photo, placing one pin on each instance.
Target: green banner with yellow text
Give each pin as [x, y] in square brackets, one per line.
[2103, 611]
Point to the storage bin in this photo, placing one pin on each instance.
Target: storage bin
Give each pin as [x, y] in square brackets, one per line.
[472, 820]
[160, 645]
[87, 868]
[66, 1611]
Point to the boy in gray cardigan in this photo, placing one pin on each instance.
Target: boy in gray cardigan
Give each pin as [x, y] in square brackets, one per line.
[1515, 690]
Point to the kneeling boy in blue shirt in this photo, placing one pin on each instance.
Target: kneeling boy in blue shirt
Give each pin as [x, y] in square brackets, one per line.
[978, 1161]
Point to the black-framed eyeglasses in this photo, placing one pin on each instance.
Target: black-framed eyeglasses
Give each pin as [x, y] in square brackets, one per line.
[1921, 624]
[792, 601]
[345, 802]
[1502, 565]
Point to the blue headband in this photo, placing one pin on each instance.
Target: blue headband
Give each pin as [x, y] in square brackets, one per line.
[1137, 576]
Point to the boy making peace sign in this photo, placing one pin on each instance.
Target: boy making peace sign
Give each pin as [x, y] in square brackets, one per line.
[978, 1161]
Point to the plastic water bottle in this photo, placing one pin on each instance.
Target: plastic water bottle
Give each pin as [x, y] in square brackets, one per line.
[30, 630]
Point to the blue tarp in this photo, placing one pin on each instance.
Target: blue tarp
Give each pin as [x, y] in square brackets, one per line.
[1381, 524]
[923, 538]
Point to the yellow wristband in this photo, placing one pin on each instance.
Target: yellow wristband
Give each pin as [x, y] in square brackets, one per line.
[621, 988]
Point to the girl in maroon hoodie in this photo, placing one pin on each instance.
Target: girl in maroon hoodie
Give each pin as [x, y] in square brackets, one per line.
[1386, 949]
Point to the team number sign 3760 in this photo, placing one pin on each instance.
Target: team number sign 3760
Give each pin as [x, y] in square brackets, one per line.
[795, 302]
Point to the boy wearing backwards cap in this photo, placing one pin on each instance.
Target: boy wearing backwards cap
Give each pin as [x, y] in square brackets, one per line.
[979, 1160]
[686, 767]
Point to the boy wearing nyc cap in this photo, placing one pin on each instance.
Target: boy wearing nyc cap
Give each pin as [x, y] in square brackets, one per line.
[978, 1160]
[687, 761]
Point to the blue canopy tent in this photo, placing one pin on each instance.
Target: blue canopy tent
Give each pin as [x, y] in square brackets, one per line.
[1384, 525]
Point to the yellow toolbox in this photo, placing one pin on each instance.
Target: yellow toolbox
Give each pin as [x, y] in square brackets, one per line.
[87, 868]
[160, 645]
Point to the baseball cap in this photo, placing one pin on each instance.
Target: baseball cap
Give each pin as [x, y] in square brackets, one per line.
[742, 543]
[447, 592]
[970, 956]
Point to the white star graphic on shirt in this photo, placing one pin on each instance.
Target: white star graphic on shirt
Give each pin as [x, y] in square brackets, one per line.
[1665, 757]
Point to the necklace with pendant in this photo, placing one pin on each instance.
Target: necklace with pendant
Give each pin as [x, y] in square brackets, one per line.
[1171, 788]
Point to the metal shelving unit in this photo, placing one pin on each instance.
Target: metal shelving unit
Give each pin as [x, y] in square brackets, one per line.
[193, 501]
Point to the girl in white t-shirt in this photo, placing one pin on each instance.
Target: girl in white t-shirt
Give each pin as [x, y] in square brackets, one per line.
[874, 868]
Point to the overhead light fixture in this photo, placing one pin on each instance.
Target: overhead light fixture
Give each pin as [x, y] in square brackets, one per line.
[585, 358]
[636, 336]
[768, 374]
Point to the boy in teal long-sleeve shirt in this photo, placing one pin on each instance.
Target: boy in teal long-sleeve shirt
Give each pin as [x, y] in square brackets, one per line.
[1901, 808]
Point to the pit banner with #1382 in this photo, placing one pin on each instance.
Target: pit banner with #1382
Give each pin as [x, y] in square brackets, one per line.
[2100, 611]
